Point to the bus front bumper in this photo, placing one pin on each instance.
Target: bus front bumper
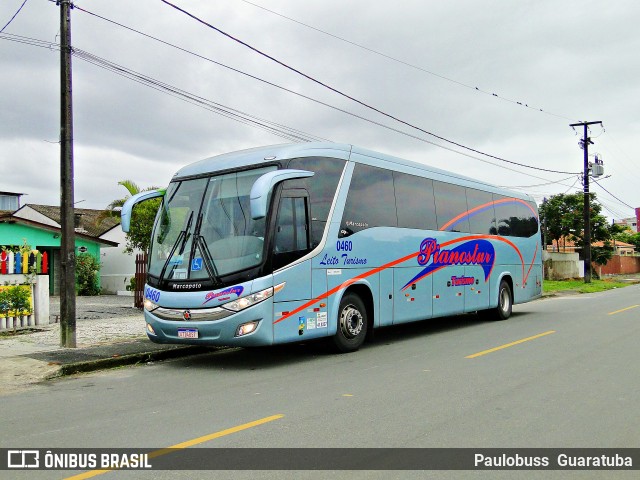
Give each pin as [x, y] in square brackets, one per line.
[228, 331]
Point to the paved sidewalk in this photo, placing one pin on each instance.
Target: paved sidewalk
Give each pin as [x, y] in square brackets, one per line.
[109, 333]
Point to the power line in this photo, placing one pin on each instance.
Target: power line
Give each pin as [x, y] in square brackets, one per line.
[538, 185]
[228, 112]
[30, 41]
[53, 46]
[360, 102]
[306, 97]
[615, 213]
[623, 203]
[411, 65]
[277, 129]
[14, 16]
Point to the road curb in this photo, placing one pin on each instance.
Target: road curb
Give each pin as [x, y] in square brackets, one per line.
[130, 359]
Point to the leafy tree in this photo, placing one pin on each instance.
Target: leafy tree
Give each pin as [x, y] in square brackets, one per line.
[561, 213]
[564, 218]
[626, 235]
[142, 217]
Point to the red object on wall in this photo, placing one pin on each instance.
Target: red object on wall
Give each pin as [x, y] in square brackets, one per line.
[45, 263]
[3, 263]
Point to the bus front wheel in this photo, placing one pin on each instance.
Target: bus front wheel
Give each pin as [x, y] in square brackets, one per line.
[352, 324]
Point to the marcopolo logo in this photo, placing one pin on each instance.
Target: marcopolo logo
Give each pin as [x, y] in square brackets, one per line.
[434, 257]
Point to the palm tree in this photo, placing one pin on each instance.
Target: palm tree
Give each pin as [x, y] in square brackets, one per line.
[113, 209]
[141, 218]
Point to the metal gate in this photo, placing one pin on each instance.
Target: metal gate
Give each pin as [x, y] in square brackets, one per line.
[141, 278]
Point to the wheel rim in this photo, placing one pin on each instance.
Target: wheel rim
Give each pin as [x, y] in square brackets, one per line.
[351, 321]
[505, 300]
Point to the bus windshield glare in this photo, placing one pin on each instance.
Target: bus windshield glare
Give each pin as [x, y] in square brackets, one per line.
[204, 228]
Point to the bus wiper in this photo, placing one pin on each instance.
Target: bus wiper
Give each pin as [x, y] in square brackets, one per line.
[209, 263]
[182, 239]
[201, 244]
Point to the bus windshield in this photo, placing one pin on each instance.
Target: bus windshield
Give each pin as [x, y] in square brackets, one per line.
[204, 228]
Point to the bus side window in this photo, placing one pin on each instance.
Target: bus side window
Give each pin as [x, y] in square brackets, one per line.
[371, 201]
[291, 239]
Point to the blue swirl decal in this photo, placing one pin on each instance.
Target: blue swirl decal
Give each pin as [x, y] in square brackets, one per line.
[474, 252]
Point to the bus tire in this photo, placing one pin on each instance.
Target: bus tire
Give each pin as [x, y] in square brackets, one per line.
[352, 324]
[505, 301]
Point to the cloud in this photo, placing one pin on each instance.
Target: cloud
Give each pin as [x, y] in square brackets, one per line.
[575, 60]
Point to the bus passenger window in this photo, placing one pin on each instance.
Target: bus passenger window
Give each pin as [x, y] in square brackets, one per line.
[370, 202]
[451, 207]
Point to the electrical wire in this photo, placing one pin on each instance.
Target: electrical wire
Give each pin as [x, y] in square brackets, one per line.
[621, 201]
[30, 41]
[572, 185]
[14, 16]
[360, 102]
[538, 185]
[615, 213]
[360, 117]
[411, 65]
[275, 128]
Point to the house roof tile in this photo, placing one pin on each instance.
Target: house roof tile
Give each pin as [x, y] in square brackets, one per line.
[93, 222]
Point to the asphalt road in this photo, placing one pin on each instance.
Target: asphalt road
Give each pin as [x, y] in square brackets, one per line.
[561, 372]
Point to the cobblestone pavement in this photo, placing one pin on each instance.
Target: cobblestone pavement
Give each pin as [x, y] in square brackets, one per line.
[102, 320]
[98, 307]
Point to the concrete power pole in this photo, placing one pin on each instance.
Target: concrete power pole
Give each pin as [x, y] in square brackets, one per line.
[585, 142]
[68, 240]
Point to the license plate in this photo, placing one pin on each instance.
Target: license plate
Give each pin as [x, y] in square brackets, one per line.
[187, 333]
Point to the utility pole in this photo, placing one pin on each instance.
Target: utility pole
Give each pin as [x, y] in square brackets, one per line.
[544, 225]
[585, 142]
[68, 240]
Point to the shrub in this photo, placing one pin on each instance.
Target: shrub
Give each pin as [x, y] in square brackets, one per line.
[87, 278]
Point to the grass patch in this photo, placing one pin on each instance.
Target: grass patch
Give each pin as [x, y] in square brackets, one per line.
[578, 286]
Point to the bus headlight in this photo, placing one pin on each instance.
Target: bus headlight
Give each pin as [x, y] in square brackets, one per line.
[149, 306]
[253, 299]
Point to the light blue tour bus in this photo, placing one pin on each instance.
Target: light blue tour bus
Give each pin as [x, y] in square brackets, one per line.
[296, 242]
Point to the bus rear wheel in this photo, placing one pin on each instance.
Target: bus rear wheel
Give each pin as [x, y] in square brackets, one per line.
[505, 302]
[352, 324]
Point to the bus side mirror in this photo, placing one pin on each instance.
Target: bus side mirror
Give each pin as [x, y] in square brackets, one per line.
[125, 214]
[263, 186]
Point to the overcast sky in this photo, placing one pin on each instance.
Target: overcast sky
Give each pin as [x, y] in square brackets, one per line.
[575, 60]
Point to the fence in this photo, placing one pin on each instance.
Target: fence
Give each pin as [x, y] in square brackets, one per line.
[24, 262]
[141, 278]
[619, 264]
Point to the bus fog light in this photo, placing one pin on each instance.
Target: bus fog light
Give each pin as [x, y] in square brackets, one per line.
[150, 329]
[247, 328]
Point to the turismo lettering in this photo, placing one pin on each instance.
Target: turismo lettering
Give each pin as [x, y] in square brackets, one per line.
[344, 260]
[461, 281]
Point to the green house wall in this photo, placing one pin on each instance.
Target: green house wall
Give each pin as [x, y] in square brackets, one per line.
[41, 239]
